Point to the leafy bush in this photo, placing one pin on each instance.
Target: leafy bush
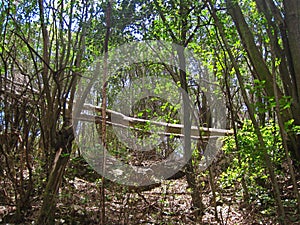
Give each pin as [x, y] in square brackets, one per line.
[248, 162]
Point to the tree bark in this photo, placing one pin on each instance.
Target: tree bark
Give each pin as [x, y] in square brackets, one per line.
[190, 172]
[262, 71]
[292, 21]
[268, 162]
[63, 149]
[104, 102]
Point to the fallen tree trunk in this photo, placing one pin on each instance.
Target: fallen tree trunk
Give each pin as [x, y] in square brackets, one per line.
[165, 129]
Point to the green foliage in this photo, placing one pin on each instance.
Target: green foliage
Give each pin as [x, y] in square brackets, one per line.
[248, 161]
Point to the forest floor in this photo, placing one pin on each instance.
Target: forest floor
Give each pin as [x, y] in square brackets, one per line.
[170, 203]
[167, 203]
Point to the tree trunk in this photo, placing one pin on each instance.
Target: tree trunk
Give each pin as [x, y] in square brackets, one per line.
[268, 162]
[261, 70]
[63, 150]
[190, 172]
[292, 21]
[104, 102]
